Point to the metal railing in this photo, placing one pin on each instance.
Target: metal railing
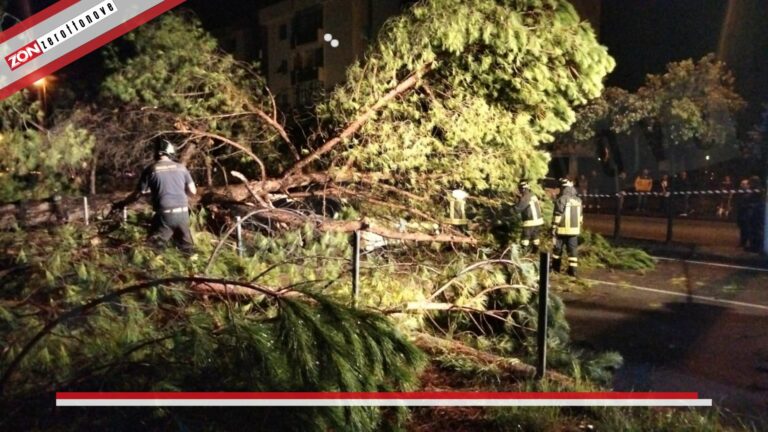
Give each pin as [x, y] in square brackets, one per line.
[668, 204]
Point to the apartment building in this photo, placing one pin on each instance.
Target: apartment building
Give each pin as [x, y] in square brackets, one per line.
[308, 44]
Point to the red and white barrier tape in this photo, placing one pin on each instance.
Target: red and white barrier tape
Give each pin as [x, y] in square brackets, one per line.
[671, 193]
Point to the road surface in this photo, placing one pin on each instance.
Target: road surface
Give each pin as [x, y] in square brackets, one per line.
[693, 231]
[681, 327]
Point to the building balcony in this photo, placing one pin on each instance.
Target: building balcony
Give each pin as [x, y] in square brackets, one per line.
[307, 74]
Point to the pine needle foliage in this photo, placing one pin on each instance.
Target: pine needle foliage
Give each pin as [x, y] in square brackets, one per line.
[166, 338]
[596, 252]
[496, 80]
[195, 94]
[501, 317]
[36, 162]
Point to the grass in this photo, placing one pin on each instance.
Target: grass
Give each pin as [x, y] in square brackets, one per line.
[625, 419]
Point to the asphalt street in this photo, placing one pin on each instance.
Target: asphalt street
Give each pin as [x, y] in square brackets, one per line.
[703, 233]
[681, 327]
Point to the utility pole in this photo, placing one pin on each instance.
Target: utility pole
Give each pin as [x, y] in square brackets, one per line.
[765, 216]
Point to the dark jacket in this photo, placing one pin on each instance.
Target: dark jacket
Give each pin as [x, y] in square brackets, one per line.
[530, 209]
[568, 212]
[166, 180]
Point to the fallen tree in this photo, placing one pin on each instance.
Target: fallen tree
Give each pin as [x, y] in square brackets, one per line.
[420, 116]
[451, 95]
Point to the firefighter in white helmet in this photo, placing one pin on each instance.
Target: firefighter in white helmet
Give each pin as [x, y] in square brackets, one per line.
[566, 226]
[529, 208]
[169, 183]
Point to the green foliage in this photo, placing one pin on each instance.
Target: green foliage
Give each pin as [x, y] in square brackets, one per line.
[169, 77]
[508, 289]
[617, 110]
[177, 67]
[692, 103]
[636, 419]
[167, 338]
[391, 279]
[308, 342]
[36, 162]
[496, 79]
[596, 252]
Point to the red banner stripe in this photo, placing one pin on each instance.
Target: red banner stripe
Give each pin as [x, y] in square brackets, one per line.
[376, 395]
[36, 19]
[86, 48]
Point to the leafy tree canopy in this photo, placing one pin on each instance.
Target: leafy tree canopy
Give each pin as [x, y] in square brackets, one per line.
[171, 79]
[496, 79]
[693, 102]
[35, 162]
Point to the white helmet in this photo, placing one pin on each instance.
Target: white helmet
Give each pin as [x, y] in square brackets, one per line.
[164, 147]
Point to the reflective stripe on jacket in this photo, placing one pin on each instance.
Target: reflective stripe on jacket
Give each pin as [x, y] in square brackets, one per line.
[568, 215]
[530, 210]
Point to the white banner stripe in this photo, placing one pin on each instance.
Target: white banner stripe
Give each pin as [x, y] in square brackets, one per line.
[385, 402]
[124, 10]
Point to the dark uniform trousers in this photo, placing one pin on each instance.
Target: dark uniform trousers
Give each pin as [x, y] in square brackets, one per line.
[571, 243]
[530, 239]
[172, 225]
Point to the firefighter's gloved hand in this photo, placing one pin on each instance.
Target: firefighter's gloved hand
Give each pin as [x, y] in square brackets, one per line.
[116, 208]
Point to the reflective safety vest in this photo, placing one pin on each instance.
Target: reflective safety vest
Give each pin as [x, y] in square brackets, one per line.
[532, 216]
[571, 219]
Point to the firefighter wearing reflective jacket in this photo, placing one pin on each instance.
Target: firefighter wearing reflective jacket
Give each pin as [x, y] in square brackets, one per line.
[529, 208]
[566, 226]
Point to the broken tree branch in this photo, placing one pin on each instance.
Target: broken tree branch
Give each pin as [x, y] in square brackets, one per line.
[512, 367]
[330, 225]
[358, 123]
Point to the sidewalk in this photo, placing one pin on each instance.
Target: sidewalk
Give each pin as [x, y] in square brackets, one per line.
[692, 239]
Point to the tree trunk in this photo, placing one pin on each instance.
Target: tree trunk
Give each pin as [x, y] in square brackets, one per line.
[219, 199]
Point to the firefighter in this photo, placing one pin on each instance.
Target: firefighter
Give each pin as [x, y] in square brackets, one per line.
[168, 182]
[566, 226]
[530, 213]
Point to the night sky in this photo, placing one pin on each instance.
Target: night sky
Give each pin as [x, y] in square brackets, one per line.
[642, 35]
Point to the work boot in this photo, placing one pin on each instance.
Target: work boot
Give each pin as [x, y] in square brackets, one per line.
[556, 265]
[571, 271]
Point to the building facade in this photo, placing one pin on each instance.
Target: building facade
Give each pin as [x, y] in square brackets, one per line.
[298, 61]
[307, 45]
